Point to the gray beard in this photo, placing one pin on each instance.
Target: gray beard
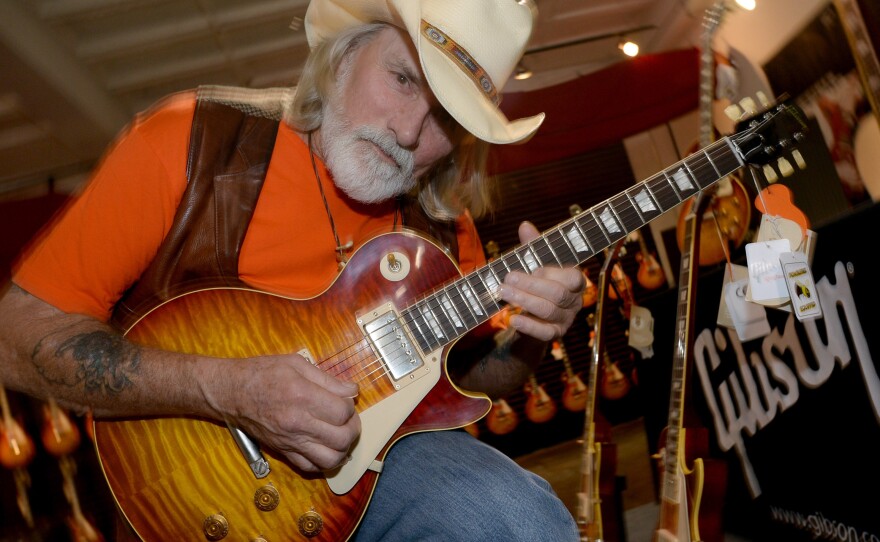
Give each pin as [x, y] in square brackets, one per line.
[356, 168]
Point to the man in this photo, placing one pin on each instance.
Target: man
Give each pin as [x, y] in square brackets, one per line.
[389, 127]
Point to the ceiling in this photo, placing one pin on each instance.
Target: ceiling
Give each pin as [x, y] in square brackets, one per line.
[73, 72]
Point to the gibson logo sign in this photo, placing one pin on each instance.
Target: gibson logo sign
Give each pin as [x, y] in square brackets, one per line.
[762, 386]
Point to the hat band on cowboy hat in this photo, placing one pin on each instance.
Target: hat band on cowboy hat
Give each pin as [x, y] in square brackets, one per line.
[468, 50]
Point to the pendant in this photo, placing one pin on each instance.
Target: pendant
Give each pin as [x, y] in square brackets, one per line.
[341, 258]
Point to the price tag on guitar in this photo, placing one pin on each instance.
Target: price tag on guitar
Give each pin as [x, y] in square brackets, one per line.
[801, 287]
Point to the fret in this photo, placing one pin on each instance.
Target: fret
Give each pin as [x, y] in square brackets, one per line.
[703, 171]
[728, 159]
[543, 253]
[718, 173]
[565, 253]
[475, 313]
[490, 279]
[426, 338]
[486, 296]
[627, 213]
[595, 235]
[609, 229]
[588, 249]
[416, 327]
[431, 319]
[472, 298]
[499, 268]
[684, 181]
[527, 258]
[578, 241]
[450, 322]
[664, 192]
[645, 202]
[451, 312]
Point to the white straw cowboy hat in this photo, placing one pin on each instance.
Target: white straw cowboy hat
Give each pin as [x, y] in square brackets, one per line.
[468, 49]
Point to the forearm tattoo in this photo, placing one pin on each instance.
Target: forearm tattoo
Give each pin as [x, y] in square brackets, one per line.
[103, 362]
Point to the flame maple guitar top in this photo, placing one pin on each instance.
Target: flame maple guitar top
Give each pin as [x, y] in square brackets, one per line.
[169, 474]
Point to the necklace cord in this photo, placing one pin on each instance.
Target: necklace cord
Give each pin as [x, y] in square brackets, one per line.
[340, 249]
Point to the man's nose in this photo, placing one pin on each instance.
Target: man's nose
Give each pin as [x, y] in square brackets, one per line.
[408, 121]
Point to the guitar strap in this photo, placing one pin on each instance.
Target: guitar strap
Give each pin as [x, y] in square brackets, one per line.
[231, 144]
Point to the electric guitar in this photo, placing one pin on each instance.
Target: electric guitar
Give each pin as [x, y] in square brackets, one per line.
[574, 394]
[650, 275]
[589, 501]
[502, 419]
[540, 407]
[61, 437]
[16, 452]
[683, 508]
[728, 214]
[387, 322]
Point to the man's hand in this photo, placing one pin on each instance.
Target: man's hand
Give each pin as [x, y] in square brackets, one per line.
[550, 298]
[289, 404]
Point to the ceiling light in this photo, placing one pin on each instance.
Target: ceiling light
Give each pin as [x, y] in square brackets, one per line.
[521, 72]
[747, 5]
[629, 48]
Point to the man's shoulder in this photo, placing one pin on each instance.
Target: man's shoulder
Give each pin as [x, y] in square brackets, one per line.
[261, 102]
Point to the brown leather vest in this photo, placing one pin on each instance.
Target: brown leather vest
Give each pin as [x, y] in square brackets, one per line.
[231, 144]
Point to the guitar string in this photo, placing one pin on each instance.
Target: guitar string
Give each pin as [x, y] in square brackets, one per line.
[699, 159]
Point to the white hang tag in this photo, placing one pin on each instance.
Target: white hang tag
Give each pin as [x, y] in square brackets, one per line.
[732, 272]
[641, 330]
[749, 319]
[766, 283]
[801, 288]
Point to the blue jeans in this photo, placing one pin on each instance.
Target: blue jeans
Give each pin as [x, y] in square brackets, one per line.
[449, 486]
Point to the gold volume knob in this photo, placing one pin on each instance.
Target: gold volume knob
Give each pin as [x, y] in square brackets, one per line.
[216, 527]
[310, 524]
[266, 498]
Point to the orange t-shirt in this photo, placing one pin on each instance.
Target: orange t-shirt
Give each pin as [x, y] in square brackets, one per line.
[104, 241]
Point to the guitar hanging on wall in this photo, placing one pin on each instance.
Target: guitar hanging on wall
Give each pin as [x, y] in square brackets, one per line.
[650, 274]
[596, 456]
[683, 509]
[574, 393]
[397, 284]
[540, 407]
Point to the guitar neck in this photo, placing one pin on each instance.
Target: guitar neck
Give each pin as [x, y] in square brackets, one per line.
[455, 309]
[711, 21]
[863, 49]
[684, 327]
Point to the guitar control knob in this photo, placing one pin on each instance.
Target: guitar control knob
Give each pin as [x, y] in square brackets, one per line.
[215, 527]
[266, 498]
[259, 539]
[311, 524]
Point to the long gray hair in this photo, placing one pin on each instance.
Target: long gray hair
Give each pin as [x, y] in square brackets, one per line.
[453, 185]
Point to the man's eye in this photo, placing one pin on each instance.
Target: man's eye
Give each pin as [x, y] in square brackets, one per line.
[402, 79]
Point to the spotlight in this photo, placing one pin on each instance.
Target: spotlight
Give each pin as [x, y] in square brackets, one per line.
[521, 72]
[629, 48]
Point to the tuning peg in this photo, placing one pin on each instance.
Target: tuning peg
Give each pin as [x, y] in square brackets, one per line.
[785, 167]
[762, 99]
[770, 174]
[733, 112]
[799, 159]
[748, 105]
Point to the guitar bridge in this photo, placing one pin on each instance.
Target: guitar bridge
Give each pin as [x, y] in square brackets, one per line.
[395, 347]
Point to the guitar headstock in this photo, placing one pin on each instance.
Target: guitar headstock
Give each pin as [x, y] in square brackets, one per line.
[770, 136]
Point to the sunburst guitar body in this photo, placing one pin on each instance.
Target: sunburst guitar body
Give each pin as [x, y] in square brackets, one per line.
[185, 478]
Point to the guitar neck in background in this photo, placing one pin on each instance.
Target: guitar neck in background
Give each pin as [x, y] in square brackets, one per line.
[863, 49]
